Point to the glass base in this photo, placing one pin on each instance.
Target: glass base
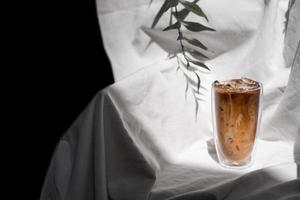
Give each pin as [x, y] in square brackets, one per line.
[236, 164]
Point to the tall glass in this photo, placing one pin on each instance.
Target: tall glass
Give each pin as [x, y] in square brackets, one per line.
[236, 111]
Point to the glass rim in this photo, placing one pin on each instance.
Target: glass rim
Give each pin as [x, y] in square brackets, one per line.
[260, 85]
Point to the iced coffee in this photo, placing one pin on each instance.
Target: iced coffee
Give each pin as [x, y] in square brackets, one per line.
[236, 116]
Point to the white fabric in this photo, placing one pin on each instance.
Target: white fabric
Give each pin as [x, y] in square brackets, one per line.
[150, 98]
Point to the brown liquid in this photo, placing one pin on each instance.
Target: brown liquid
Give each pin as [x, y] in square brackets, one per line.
[236, 112]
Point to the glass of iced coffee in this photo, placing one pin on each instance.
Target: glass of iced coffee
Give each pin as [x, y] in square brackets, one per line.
[236, 111]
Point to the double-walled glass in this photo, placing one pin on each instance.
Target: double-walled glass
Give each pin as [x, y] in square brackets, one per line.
[236, 111]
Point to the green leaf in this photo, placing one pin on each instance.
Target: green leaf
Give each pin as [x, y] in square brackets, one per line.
[182, 14]
[166, 5]
[173, 3]
[196, 54]
[193, 7]
[198, 83]
[196, 27]
[171, 17]
[173, 26]
[200, 64]
[196, 43]
[163, 8]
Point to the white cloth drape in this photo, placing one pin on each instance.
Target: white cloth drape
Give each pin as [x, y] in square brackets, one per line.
[250, 40]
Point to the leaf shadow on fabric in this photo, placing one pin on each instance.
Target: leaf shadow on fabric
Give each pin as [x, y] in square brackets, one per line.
[226, 40]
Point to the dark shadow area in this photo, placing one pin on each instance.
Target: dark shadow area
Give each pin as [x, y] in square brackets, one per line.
[62, 65]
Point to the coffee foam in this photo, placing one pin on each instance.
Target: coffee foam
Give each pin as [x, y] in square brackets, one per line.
[240, 85]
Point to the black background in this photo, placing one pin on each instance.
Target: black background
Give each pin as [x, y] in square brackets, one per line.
[61, 66]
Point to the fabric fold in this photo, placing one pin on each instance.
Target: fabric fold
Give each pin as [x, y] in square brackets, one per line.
[96, 160]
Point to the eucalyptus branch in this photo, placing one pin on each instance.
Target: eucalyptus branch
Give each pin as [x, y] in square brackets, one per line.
[192, 59]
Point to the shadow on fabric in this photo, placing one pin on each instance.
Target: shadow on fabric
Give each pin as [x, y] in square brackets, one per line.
[260, 185]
